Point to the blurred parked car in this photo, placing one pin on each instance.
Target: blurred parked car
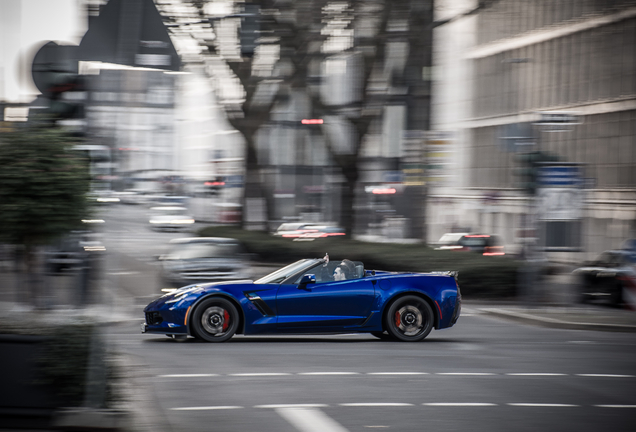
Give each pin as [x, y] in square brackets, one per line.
[132, 196]
[103, 196]
[320, 231]
[305, 229]
[203, 259]
[168, 200]
[606, 277]
[293, 228]
[170, 218]
[73, 250]
[486, 244]
[450, 241]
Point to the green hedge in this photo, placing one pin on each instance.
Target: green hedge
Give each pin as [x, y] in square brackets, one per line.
[63, 362]
[479, 276]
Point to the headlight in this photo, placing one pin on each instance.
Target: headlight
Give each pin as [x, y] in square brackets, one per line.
[181, 294]
[177, 299]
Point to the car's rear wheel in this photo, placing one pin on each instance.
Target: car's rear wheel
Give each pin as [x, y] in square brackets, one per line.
[215, 320]
[409, 319]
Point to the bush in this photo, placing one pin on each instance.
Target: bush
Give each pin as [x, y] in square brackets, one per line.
[479, 276]
[61, 364]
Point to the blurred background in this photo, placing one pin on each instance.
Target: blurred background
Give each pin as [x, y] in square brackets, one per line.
[149, 144]
[508, 118]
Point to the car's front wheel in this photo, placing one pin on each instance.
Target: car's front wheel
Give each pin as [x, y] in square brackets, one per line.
[382, 335]
[215, 320]
[409, 319]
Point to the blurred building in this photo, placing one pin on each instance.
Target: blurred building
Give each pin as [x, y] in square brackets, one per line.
[133, 111]
[506, 65]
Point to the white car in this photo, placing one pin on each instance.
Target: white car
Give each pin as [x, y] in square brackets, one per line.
[170, 218]
[300, 229]
[450, 241]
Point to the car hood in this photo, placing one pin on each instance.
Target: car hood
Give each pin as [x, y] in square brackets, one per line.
[190, 293]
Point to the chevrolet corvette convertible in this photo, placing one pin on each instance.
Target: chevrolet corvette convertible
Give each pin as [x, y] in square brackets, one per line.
[311, 296]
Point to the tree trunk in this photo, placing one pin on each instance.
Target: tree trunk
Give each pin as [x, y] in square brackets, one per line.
[255, 214]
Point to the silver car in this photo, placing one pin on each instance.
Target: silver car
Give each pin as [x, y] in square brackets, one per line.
[170, 218]
[202, 259]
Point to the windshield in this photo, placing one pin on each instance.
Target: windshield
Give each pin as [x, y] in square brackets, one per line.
[202, 250]
[280, 275]
[609, 259]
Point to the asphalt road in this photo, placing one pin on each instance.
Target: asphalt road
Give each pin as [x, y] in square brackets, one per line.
[481, 375]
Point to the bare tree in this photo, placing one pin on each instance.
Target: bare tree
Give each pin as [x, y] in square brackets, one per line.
[300, 31]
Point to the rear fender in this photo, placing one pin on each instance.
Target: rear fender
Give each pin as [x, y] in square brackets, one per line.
[428, 300]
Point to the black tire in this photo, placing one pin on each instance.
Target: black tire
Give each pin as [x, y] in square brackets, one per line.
[616, 297]
[382, 335]
[409, 319]
[215, 320]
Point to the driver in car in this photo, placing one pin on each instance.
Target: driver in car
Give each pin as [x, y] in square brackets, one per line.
[344, 271]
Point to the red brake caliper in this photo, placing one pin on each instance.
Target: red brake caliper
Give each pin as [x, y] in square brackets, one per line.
[398, 320]
[226, 320]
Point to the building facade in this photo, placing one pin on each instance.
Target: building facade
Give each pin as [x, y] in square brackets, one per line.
[524, 58]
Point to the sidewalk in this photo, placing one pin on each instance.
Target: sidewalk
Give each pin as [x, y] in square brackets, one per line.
[555, 305]
[575, 317]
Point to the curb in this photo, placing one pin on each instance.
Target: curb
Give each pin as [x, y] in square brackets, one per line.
[555, 323]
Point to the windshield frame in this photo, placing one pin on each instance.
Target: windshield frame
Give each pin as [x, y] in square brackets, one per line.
[282, 275]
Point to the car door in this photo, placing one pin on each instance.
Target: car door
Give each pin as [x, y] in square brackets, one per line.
[324, 306]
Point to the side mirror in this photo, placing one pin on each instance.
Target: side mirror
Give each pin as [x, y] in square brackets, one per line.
[368, 273]
[306, 280]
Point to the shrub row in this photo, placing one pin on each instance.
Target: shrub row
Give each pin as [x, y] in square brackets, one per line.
[479, 276]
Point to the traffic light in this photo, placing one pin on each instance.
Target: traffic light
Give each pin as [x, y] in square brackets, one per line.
[528, 171]
[55, 74]
[249, 31]
[67, 94]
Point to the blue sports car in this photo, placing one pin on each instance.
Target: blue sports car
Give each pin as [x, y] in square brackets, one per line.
[311, 296]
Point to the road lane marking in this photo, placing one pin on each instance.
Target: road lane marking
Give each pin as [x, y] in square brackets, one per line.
[257, 374]
[188, 375]
[615, 406]
[541, 405]
[315, 406]
[207, 408]
[605, 375]
[275, 374]
[310, 420]
[282, 406]
[459, 404]
[376, 404]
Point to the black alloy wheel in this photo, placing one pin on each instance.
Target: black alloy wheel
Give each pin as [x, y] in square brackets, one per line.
[215, 320]
[409, 319]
